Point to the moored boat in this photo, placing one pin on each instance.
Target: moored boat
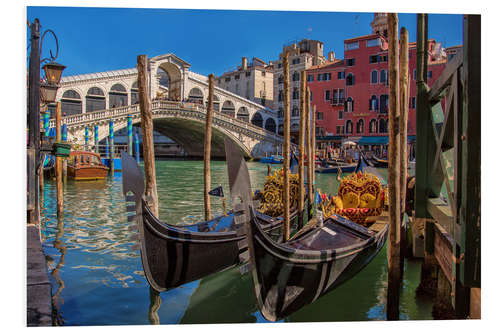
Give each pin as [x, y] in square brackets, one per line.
[273, 159]
[86, 165]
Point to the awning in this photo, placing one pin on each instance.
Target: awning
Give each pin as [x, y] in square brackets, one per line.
[374, 140]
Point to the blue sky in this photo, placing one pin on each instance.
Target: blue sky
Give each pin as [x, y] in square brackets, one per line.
[212, 41]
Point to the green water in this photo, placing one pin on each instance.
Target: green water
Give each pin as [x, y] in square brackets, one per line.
[96, 272]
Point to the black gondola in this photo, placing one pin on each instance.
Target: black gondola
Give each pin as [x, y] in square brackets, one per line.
[288, 276]
[174, 255]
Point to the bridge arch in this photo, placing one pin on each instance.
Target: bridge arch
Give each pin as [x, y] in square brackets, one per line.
[171, 75]
[196, 95]
[95, 99]
[71, 102]
[243, 114]
[134, 93]
[257, 119]
[228, 108]
[118, 95]
[270, 125]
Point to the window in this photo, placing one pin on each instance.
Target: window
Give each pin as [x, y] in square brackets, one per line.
[382, 125]
[383, 76]
[295, 93]
[263, 73]
[335, 97]
[374, 59]
[280, 112]
[340, 129]
[352, 46]
[319, 115]
[71, 103]
[310, 77]
[348, 127]
[429, 74]
[384, 58]
[295, 61]
[360, 126]
[327, 95]
[311, 94]
[341, 115]
[415, 74]
[349, 80]
[280, 96]
[373, 42]
[319, 77]
[349, 105]
[341, 96]
[327, 76]
[247, 74]
[237, 77]
[413, 103]
[118, 96]
[373, 105]
[227, 79]
[374, 77]
[280, 65]
[95, 100]
[341, 75]
[280, 79]
[350, 62]
[296, 76]
[295, 111]
[373, 126]
[384, 103]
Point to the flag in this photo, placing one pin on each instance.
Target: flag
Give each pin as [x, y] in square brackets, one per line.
[218, 192]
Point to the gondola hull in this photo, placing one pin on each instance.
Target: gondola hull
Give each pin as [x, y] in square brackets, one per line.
[172, 256]
[334, 169]
[290, 276]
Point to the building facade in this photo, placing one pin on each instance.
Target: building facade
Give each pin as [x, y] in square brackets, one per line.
[352, 95]
[302, 56]
[253, 81]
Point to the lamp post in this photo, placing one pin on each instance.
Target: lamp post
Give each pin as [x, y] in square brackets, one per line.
[46, 93]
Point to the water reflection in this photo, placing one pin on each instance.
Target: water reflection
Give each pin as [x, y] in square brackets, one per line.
[61, 246]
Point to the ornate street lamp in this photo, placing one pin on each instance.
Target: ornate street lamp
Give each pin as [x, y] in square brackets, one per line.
[48, 89]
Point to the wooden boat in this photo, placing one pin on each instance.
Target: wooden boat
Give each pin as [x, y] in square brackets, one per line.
[288, 276]
[329, 168]
[86, 165]
[173, 255]
[380, 163]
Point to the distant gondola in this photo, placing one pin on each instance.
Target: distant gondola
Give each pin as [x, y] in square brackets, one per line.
[379, 163]
[173, 255]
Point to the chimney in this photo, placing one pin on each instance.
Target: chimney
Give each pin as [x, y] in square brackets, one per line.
[244, 63]
[331, 56]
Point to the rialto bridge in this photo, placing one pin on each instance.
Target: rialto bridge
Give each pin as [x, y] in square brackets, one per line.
[179, 99]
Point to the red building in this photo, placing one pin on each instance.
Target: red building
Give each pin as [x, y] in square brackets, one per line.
[352, 95]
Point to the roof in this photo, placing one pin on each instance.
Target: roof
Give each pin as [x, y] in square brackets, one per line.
[362, 37]
[99, 75]
[328, 64]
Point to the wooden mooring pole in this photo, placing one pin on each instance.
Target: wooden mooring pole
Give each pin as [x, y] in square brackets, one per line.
[147, 134]
[59, 185]
[302, 127]
[393, 249]
[308, 147]
[313, 146]
[286, 150]
[403, 128]
[207, 149]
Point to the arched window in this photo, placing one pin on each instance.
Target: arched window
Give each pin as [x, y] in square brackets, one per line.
[257, 119]
[295, 111]
[348, 127]
[134, 94]
[384, 103]
[280, 96]
[71, 103]
[228, 108]
[95, 100]
[215, 104]
[382, 126]
[295, 76]
[373, 103]
[374, 76]
[195, 96]
[162, 77]
[360, 126]
[349, 105]
[349, 80]
[373, 126]
[270, 125]
[295, 94]
[383, 76]
[243, 114]
[118, 96]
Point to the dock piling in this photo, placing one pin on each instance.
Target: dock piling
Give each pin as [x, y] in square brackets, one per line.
[207, 149]
[302, 138]
[112, 146]
[59, 185]
[286, 150]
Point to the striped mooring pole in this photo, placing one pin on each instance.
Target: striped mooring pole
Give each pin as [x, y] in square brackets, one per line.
[129, 134]
[136, 139]
[96, 138]
[107, 147]
[86, 138]
[46, 123]
[112, 146]
[64, 133]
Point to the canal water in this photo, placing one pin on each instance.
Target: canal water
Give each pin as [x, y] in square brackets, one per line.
[96, 272]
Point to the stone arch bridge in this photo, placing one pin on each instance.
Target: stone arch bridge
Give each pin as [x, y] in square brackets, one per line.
[179, 101]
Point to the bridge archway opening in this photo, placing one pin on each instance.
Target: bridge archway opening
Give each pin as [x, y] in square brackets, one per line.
[215, 104]
[257, 119]
[270, 125]
[134, 94]
[195, 96]
[190, 134]
[170, 79]
[95, 100]
[228, 108]
[118, 96]
[71, 103]
[243, 114]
